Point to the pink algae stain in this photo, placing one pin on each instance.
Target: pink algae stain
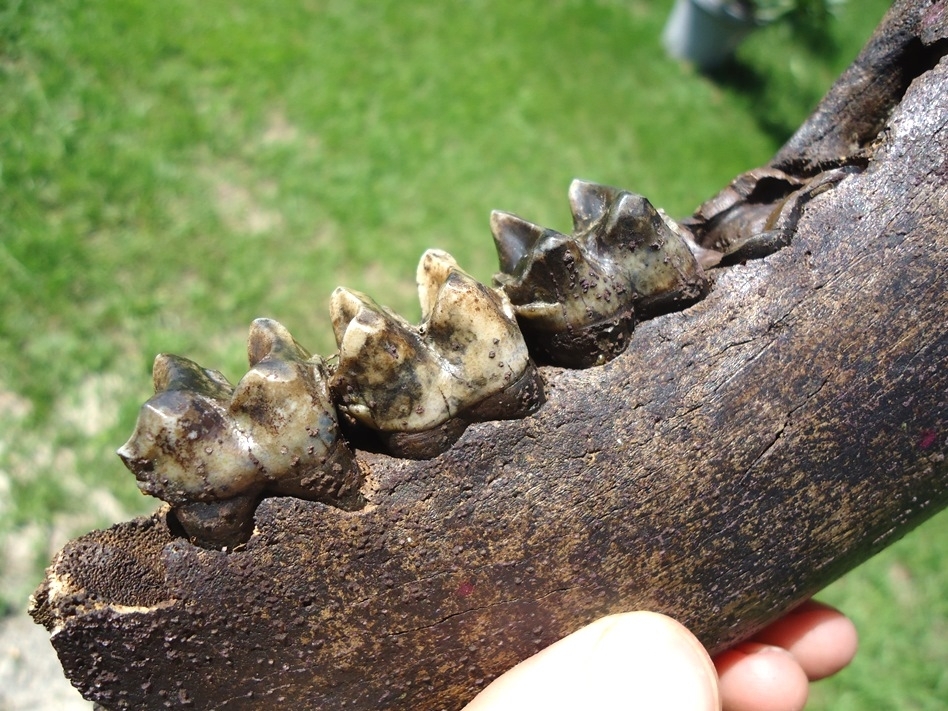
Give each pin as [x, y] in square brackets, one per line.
[464, 589]
[928, 438]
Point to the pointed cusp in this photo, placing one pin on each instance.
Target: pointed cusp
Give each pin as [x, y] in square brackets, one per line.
[589, 202]
[172, 372]
[434, 268]
[515, 239]
[269, 338]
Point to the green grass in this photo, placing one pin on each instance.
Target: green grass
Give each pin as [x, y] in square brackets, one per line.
[170, 171]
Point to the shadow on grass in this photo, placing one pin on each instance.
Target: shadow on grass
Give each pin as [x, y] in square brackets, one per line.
[754, 86]
[768, 90]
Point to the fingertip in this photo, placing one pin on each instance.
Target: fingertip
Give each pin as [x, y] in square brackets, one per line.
[631, 660]
[759, 677]
[821, 639]
[660, 662]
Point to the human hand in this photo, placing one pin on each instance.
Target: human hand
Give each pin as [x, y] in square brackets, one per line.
[643, 660]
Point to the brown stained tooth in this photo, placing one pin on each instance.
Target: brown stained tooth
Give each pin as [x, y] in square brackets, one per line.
[577, 297]
[659, 265]
[211, 450]
[419, 388]
[283, 407]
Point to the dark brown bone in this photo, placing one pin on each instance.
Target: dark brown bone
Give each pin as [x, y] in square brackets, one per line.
[739, 456]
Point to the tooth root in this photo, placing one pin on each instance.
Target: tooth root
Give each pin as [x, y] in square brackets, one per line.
[218, 524]
[589, 203]
[515, 238]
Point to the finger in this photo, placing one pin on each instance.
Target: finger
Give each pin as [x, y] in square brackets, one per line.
[638, 660]
[759, 677]
[821, 638]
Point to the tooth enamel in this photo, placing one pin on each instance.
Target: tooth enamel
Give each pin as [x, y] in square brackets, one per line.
[660, 266]
[514, 238]
[204, 446]
[400, 380]
[577, 297]
[588, 202]
[282, 407]
[434, 269]
[168, 451]
[474, 329]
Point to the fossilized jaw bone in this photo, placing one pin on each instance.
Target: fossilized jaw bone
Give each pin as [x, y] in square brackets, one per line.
[210, 450]
[577, 297]
[421, 387]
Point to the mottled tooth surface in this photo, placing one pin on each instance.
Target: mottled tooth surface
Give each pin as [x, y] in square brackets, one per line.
[658, 263]
[205, 447]
[474, 329]
[271, 339]
[282, 407]
[420, 386]
[577, 297]
[171, 372]
[386, 377]
[185, 445]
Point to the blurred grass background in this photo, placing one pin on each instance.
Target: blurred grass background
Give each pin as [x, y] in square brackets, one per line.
[170, 171]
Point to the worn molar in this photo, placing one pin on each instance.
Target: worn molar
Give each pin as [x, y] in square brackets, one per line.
[212, 450]
[420, 387]
[577, 297]
[283, 407]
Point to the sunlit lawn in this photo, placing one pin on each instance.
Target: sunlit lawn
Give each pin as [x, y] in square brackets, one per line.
[170, 171]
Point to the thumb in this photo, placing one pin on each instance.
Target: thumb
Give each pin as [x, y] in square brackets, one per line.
[636, 660]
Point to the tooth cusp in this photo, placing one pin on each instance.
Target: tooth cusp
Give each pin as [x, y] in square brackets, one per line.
[205, 446]
[577, 297]
[420, 387]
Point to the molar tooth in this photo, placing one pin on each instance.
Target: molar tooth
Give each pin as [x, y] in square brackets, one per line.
[622, 261]
[474, 329]
[573, 306]
[385, 377]
[659, 265]
[421, 387]
[283, 408]
[185, 446]
[211, 450]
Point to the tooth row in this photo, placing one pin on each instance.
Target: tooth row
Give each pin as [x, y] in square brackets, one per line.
[211, 450]
[577, 297]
